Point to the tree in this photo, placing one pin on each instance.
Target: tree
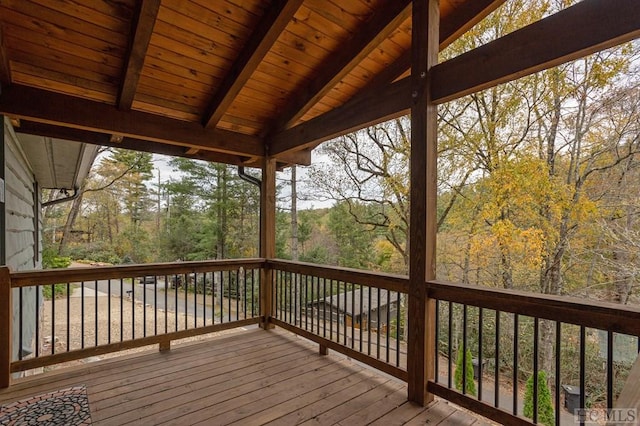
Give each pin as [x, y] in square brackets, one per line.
[545, 413]
[470, 385]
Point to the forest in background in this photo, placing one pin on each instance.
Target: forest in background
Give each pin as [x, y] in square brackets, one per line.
[538, 188]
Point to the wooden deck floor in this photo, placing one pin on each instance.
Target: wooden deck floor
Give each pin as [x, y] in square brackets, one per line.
[249, 378]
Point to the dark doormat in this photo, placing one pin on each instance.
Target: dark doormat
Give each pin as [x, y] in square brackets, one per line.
[65, 407]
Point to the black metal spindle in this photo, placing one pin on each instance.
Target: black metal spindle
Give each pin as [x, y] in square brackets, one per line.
[68, 320]
[133, 308]
[324, 307]
[609, 368]
[306, 302]
[155, 305]
[360, 322]
[109, 311]
[480, 364]
[583, 350]
[515, 364]
[536, 324]
[237, 274]
[388, 326]
[558, 370]
[20, 314]
[38, 290]
[166, 304]
[449, 344]
[253, 279]
[195, 299]
[53, 320]
[186, 300]
[368, 309]
[464, 348]
[221, 297]
[353, 315]
[331, 310]
[229, 295]
[398, 337]
[378, 325]
[95, 309]
[437, 341]
[144, 308]
[496, 363]
[244, 293]
[81, 314]
[121, 308]
[175, 302]
[344, 327]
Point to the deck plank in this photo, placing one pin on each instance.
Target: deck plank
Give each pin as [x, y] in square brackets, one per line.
[249, 378]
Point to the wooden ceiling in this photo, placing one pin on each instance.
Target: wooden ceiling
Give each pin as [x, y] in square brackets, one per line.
[235, 80]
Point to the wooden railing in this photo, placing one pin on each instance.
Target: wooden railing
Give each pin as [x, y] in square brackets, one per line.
[84, 312]
[354, 312]
[510, 335]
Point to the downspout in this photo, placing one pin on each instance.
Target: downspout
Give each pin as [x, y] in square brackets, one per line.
[76, 194]
[248, 178]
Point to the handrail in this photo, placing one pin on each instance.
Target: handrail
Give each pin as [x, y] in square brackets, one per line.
[603, 315]
[54, 276]
[393, 282]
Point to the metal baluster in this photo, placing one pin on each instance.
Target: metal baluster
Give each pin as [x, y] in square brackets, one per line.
[583, 350]
[480, 364]
[535, 369]
[464, 349]
[109, 309]
[21, 311]
[398, 337]
[515, 364]
[95, 292]
[121, 309]
[496, 366]
[558, 370]
[81, 314]
[378, 325]
[369, 324]
[450, 344]
[38, 321]
[68, 320]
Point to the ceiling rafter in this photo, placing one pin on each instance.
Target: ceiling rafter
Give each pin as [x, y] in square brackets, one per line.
[55, 108]
[385, 20]
[5, 69]
[451, 28]
[142, 28]
[584, 28]
[278, 15]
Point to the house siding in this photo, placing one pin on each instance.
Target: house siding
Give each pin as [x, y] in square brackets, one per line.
[22, 215]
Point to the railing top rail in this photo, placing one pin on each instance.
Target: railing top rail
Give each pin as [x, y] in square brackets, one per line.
[385, 281]
[54, 276]
[570, 310]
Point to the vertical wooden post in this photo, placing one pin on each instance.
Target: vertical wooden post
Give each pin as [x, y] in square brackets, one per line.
[421, 344]
[267, 238]
[6, 327]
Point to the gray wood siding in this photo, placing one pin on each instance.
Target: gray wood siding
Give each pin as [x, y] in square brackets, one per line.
[21, 213]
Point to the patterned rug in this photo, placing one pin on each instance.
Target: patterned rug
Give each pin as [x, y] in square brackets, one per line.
[65, 407]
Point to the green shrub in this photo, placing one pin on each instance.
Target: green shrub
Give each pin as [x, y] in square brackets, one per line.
[50, 259]
[60, 290]
[469, 383]
[545, 406]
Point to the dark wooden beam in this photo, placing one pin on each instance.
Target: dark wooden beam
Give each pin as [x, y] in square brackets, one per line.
[585, 28]
[575, 32]
[302, 157]
[103, 139]
[373, 32]
[451, 28]
[142, 28]
[5, 69]
[421, 351]
[54, 108]
[278, 15]
[368, 109]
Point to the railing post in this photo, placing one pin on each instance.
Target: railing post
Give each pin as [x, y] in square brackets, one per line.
[423, 181]
[267, 238]
[6, 327]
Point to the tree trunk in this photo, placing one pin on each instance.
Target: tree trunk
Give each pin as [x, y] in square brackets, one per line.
[68, 226]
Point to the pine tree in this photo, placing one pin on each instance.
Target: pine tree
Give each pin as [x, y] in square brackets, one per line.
[470, 385]
[545, 407]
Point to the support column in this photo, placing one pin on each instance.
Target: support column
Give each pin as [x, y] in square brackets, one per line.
[267, 238]
[422, 244]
